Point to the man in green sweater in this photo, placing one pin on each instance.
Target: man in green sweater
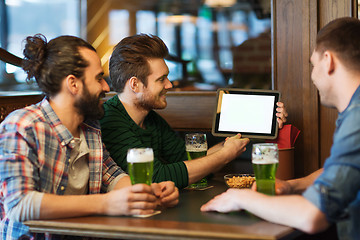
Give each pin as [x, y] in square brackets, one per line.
[140, 76]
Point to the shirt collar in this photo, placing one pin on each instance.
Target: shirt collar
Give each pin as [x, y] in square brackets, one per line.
[63, 133]
[354, 97]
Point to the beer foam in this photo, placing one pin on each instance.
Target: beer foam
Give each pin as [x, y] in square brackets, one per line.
[265, 160]
[140, 155]
[198, 148]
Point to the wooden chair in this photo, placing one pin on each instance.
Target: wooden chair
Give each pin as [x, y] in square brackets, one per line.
[7, 57]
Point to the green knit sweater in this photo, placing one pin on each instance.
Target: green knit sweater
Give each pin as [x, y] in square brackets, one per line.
[120, 133]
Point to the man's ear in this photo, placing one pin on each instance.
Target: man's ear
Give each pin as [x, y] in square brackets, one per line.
[330, 62]
[72, 83]
[134, 84]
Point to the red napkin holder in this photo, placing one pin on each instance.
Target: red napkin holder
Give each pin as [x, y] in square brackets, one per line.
[286, 137]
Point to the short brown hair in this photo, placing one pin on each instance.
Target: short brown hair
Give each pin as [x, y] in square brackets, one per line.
[342, 36]
[130, 58]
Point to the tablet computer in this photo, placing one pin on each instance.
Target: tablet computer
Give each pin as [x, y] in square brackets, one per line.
[249, 112]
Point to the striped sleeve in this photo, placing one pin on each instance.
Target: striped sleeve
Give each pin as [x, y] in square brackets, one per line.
[171, 154]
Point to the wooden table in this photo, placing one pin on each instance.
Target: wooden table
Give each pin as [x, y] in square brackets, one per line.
[184, 221]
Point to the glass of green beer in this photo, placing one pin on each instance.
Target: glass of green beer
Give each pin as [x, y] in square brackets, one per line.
[140, 165]
[265, 160]
[196, 147]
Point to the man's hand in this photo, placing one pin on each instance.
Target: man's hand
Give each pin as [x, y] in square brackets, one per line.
[235, 145]
[281, 114]
[281, 187]
[225, 202]
[132, 200]
[167, 193]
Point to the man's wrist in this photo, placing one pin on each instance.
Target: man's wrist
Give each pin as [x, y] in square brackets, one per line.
[225, 154]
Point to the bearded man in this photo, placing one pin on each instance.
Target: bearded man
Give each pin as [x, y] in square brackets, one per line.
[139, 74]
[53, 163]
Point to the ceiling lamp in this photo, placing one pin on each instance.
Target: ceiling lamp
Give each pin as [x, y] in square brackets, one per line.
[220, 3]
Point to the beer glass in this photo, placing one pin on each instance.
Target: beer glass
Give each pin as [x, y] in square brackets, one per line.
[196, 147]
[265, 160]
[140, 165]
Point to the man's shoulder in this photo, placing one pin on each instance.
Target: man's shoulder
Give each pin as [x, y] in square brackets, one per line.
[25, 116]
[347, 125]
[113, 102]
[355, 102]
[353, 110]
[113, 107]
[114, 115]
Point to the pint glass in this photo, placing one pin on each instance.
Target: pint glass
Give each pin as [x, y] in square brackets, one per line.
[140, 165]
[196, 147]
[265, 160]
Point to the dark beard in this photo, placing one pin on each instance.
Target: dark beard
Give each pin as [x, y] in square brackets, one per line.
[89, 105]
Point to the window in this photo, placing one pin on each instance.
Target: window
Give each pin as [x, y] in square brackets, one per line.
[212, 43]
[29, 17]
[118, 25]
[222, 43]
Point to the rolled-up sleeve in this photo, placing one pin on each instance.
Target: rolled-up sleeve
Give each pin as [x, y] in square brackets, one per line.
[337, 187]
[111, 172]
[334, 191]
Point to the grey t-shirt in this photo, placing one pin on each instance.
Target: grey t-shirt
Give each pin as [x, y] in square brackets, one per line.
[78, 182]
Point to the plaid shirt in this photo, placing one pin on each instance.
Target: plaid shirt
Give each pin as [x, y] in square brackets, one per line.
[34, 151]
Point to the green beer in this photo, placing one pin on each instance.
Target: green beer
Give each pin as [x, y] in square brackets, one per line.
[265, 160]
[265, 176]
[196, 147]
[193, 153]
[140, 165]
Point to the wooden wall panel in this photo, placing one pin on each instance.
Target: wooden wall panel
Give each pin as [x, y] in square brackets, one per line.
[296, 23]
[98, 31]
[188, 110]
[294, 27]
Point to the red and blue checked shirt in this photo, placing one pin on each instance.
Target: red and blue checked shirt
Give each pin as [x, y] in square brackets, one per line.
[34, 151]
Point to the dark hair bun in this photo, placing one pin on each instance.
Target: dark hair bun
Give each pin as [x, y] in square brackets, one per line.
[34, 55]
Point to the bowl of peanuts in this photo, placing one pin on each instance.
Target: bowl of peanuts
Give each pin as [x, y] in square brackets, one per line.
[239, 180]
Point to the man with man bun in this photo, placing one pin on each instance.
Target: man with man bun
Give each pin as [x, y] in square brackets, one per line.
[53, 163]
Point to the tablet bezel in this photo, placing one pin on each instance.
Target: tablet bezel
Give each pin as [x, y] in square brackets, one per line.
[216, 118]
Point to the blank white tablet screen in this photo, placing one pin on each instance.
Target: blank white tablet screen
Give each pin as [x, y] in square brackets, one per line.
[246, 113]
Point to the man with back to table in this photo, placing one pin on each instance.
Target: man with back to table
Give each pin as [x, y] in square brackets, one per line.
[140, 77]
[331, 194]
[53, 163]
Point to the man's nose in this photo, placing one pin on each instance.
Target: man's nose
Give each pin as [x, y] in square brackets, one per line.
[105, 86]
[168, 84]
